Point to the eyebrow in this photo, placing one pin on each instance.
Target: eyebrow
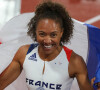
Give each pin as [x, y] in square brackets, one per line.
[51, 32]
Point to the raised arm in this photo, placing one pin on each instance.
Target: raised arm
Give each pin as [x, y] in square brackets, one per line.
[14, 69]
[77, 68]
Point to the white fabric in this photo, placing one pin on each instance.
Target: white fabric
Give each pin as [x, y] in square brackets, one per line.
[13, 35]
[15, 28]
[56, 71]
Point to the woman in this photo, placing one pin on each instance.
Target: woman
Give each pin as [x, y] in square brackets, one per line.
[48, 64]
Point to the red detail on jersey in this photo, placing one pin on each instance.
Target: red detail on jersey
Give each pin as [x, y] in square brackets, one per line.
[0, 43]
[68, 52]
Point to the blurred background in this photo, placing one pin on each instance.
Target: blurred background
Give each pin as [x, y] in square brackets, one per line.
[8, 9]
[83, 10]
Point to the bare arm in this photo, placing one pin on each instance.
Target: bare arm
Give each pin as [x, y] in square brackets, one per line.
[13, 70]
[10, 74]
[77, 68]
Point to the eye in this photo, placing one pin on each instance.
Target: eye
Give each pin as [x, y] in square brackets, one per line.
[53, 35]
[42, 34]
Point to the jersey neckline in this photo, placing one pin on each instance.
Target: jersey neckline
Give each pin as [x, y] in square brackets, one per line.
[59, 55]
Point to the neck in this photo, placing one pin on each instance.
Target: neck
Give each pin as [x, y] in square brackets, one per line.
[49, 57]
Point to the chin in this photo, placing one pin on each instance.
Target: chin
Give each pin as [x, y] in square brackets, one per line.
[48, 51]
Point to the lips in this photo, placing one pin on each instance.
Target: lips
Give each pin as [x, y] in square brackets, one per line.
[48, 47]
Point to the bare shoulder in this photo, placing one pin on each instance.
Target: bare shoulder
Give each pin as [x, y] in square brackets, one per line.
[21, 53]
[23, 49]
[76, 64]
[76, 59]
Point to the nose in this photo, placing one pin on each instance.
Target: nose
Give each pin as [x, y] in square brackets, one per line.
[47, 40]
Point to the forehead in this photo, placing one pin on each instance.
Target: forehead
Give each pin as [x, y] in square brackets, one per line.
[48, 24]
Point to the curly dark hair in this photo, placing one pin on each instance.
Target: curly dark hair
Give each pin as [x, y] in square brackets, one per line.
[55, 11]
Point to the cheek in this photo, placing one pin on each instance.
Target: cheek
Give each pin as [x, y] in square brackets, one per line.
[57, 40]
[60, 36]
[39, 39]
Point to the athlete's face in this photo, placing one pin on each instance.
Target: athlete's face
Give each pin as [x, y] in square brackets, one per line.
[48, 35]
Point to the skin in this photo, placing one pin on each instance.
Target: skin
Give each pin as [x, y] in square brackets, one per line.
[48, 34]
[77, 68]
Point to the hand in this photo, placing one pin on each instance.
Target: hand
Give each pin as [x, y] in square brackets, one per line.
[98, 84]
[92, 81]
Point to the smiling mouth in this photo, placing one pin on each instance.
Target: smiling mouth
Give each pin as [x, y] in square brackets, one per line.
[48, 46]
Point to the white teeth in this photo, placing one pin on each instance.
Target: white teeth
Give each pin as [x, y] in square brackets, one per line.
[48, 46]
